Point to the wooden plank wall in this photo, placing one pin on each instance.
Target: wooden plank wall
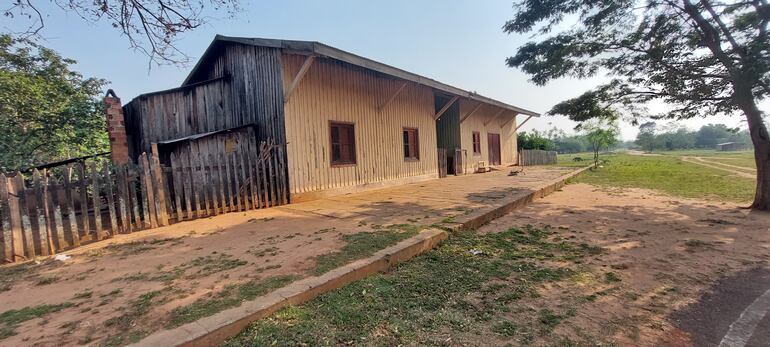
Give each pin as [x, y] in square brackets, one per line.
[334, 91]
[475, 122]
[176, 114]
[252, 93]
[531, 157]
[49, 211]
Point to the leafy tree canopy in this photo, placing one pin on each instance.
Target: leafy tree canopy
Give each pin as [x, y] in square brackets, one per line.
[535, 140]
[601, 134]
[700, 57]
[683, 53]
[47, 111]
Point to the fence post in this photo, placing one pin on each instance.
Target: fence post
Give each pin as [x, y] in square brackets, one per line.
[83, 186]
[71, 214]
[97, 201]
[110, 200]
[6, 234]
[160, 184]
[149, 194]
[14, 209]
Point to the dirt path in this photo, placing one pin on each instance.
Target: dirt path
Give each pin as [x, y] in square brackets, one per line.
[644, 154]
[737, 170]
[665, 255]
[743, 168]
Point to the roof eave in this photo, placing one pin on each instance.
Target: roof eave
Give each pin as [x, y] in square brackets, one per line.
[323, 50]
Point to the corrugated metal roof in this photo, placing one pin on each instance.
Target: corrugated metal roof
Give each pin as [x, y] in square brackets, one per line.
[325, 51]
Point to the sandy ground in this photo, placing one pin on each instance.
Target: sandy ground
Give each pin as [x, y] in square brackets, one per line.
[666, 251]
[101, 280]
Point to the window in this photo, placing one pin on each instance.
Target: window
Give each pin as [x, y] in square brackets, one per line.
[476, 142]
[343, 143]
[411, 144]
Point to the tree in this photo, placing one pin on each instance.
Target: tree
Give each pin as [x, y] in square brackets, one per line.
[151, 27]
[679, 138]
[47, 111]
[570, 144]
[534, 140]
[709, 135]
[701, 57]
[600, 135]
[646, 137]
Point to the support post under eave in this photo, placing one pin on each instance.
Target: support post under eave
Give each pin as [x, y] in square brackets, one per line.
[494, 117]
[510, 120]
[445, 108]
[469, 114]
[522, 123]
[298, 78]
[393, 97]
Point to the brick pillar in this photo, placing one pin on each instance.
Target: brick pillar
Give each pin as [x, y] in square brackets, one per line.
[116, 128]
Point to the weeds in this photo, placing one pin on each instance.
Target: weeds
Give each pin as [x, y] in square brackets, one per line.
[447, 288]
[363, 244]
[9, 320]
[231, 296]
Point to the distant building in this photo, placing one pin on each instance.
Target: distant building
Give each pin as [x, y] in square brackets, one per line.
[730, 146]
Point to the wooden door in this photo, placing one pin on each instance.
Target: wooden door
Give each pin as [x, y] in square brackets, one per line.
[493, 141]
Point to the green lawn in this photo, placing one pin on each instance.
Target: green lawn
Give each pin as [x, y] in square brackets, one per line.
[669, 174]
[472, 285]
[737, 158]
[568, 159]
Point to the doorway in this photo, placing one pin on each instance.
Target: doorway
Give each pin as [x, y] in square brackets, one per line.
[493, 141]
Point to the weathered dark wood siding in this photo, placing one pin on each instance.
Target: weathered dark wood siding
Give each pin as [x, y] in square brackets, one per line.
[250, 93]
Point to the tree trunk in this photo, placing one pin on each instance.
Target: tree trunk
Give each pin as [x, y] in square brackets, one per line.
[759, 137]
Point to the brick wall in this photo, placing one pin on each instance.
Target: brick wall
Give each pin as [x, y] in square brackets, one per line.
[116, 130]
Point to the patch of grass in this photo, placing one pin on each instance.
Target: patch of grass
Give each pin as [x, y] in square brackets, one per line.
[271, 251]
[611, 277]
[43, 281]
[136, 309]
[9, 320]
[671, 175]
[549, 319]
[230, 296]
[694, 245]
[363, 244]
[197, 268]
[138, 247]
[453, 287]
[83, 295]
[505, 328]
[10, 274]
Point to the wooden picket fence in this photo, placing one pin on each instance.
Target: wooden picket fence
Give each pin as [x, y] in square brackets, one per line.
[49, 211]
[529, 157]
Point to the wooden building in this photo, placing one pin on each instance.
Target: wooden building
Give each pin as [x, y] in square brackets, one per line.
[348, 123]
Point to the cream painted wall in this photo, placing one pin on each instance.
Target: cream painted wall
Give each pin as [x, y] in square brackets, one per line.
[332, 91]
[476, 122]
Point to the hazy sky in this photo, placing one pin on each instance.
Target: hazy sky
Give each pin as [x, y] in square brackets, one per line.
[459, 42]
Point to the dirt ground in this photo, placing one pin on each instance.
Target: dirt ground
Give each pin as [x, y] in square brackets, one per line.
[663, 253]
[119, 290]
[184, 262]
